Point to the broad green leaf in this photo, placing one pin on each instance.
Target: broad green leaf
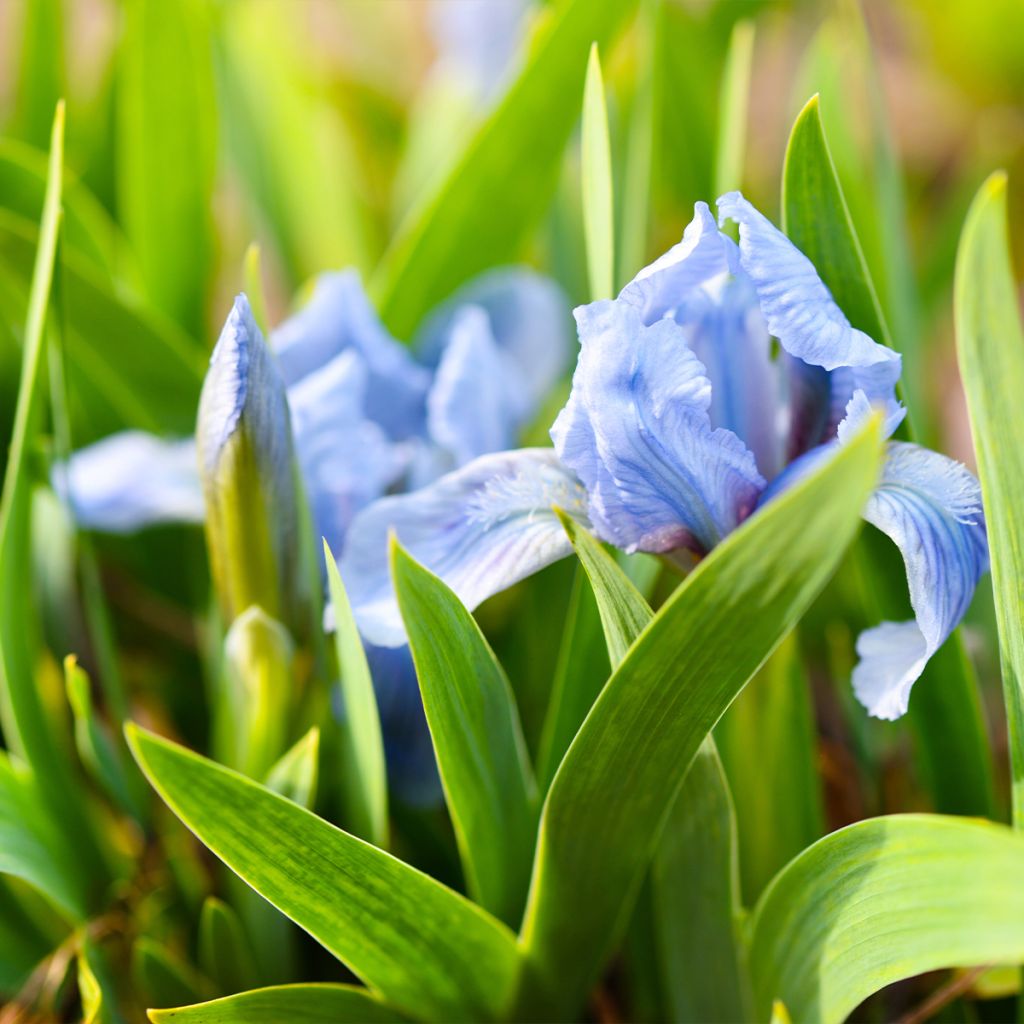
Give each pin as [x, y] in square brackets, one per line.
[25, 725]
[769, 748]
[474, 725]
[696, 900]
[296, 773]
[882, 900]
[598, 191]
[288, 141]
[286, 1004]
[365, 781]
[629, 759]
[945, 711]
[582, 669]
[693, 888]
[426, 949]
[224, 951]
[732, 112]
[166, 152]
[124, 367]
[460, 229]
[32, 847]
[990, 346]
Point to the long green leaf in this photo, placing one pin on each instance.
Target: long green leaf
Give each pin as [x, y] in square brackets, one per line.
[598, 192]
[426, 949]
[628, 761]
[515, 154]
[166, 152]
[286, 1004]
[477, 737]
[41, 72]
[365, 782]
[945, 711]
[990, 346]
[732, 115]
[883, 900]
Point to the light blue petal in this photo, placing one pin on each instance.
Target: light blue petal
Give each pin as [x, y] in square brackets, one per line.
[529, 320]
[703, 255]
[800, 311]
[338, 317]
[481, 529]
[131, 480]
[347, 460]
[636, 431]
[930, 506]
[469, 412]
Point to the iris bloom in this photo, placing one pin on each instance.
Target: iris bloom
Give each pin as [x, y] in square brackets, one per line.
[719, 375]
[367, 418]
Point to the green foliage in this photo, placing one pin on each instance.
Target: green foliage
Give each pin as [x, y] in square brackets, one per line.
[598, 192]
[882, 900]
[990, 344]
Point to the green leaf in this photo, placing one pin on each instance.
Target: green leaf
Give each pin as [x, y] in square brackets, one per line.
[423, 947]
[598, 191]
[732, 116]
[286, 1004]
[945, 711]
[295, 774]
[628, 761]
[990, 346]
[515, 154]
[769, 748]
[160, 976]
[167, 151]
[41, 72]
[696, 900]
[883, 900]
[365, 780]
[481, 754]
[224, 951]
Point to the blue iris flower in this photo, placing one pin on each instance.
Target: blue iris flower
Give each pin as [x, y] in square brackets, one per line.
[718, 376]
[368, 417]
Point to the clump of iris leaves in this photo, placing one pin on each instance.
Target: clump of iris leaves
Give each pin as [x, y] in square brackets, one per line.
[601, 877]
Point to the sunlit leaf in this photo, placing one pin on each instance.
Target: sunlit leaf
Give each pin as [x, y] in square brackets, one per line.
[598, 192]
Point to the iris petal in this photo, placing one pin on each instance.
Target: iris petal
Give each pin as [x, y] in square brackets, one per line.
[636, 431]
[930, 506]
[132, 480]
[481, 529]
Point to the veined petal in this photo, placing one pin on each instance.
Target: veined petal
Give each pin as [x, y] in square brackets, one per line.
[703, 254]
[636, 431]
[338, 317]
[930, 506]
[481, 529]
[468, 409]
[131, 480]
[528, 317]
[800, 311]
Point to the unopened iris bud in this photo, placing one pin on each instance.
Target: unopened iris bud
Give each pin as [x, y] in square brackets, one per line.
[247, 466]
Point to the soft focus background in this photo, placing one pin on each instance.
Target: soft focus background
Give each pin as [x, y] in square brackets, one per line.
[321, 129]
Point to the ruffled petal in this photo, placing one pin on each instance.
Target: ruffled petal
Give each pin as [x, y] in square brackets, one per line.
[636, 431]
[930, 506]
[132, 480]
[469, 412]
[703, 255]
[338, 317]
[481, 529]
[528, 315]
[800, 311]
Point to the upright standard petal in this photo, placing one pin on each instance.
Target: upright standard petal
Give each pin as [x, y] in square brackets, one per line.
[528, 316]
[481, 529]
[347, 460]
[930, 506]
[246, 464]
[132, 480]
[469, 409]
[800, 311]
[637, 433]
[338, 317]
